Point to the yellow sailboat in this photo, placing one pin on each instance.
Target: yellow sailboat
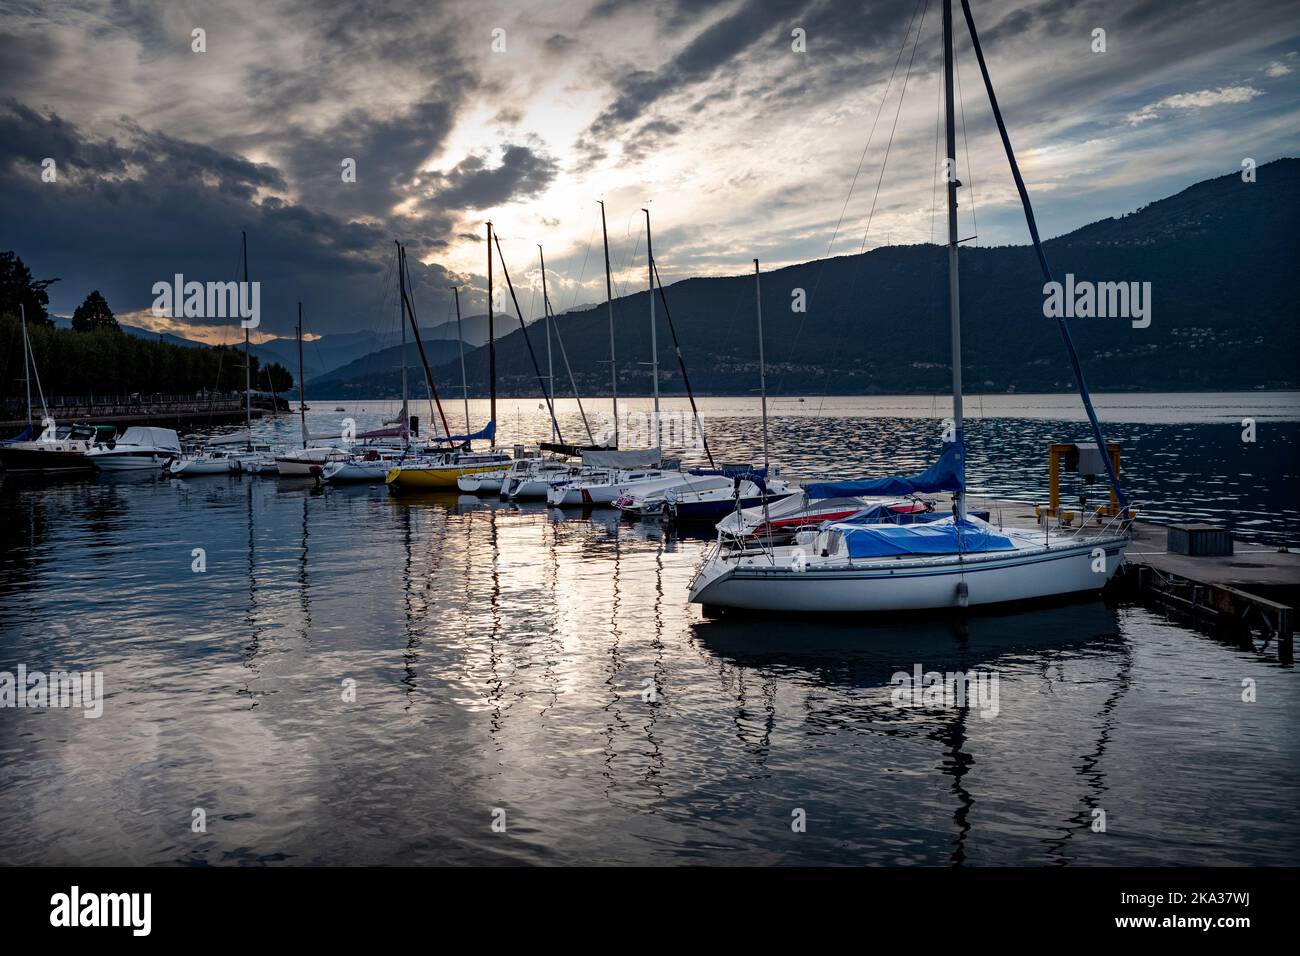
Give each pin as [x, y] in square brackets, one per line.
[443, 471]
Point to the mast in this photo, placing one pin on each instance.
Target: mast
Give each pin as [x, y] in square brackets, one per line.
[302, 388]
[609, 299]
[248, 369]
[464, 383]
[954, 298]
[408, 300]
[406, 410]
[762, 366]
[28, 361]
[550, 360]
[492, 343]
[564, 353]
[654, 341]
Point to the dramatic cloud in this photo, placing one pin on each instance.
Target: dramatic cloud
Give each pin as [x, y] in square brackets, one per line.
[743, 142]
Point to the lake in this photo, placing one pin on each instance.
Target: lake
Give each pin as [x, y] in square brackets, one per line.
[362, 677]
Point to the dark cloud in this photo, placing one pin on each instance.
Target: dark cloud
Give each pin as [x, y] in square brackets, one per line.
[144, 206]
[472, 184]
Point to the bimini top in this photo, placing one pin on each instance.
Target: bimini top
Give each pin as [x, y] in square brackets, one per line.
[943, 536]
[946, 474]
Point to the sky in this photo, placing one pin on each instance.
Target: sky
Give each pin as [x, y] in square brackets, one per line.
[785, 131]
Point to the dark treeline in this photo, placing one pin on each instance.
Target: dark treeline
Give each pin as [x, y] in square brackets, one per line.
[109, 362]
[95, 357]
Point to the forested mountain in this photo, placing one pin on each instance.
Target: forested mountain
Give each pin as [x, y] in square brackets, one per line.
[1219, 255]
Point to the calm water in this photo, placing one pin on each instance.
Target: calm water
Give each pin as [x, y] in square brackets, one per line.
[502, 654]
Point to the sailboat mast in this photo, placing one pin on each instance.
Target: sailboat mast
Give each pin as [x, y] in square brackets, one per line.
[28, 361]
[609, 299]
[762, 365]
[406, 410]
[248, 368]
[464, 382]
[950, 175]
[492, 344]
[550, 360]
[654, 340]
[302, 386]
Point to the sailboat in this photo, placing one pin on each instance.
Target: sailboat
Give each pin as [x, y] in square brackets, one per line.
[440, 472]
[741, 486]
[215, 458]
[59, 448]
[860, 563]
[308, 461]
[382, 449]
[608, 475]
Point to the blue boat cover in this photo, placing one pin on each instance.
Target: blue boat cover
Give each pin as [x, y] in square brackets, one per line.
[946, 474]
[488, 432]
[945, 536]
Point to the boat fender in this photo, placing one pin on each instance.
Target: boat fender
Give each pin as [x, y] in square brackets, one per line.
[963, 594]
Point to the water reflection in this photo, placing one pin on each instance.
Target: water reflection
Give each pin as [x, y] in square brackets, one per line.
[546, 663]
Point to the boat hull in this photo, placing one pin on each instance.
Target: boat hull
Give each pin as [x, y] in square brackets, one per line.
[34, 460]
[711, 512]
[917, 585]
[357, 471]
[486, 484]
[131, 462]
[442, 476]
[193, 468]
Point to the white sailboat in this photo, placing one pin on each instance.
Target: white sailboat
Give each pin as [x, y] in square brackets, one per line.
[868, 563]
[308, 461]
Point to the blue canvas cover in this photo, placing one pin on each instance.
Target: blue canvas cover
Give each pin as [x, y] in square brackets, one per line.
[945, 536]
[946, 474]
[488, 433]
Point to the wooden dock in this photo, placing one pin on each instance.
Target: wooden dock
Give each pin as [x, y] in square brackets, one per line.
[1253, 590]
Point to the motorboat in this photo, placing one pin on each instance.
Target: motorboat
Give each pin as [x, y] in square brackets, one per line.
[139, 448]
[61, 449]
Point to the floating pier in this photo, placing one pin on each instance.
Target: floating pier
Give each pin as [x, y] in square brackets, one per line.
[1236, 587]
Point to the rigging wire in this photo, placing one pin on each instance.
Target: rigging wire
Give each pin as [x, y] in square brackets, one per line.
[857, 273]
[798, 333]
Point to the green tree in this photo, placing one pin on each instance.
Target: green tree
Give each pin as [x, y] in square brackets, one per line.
[18, 288]
[94, 314]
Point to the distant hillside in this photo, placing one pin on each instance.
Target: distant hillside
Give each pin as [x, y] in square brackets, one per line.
[1219, 256]
[379, 374]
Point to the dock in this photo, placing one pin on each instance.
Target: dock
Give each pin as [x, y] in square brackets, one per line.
[175, 411]
[1255, 589]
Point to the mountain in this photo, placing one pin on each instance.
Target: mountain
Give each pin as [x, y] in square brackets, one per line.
[379, 374]
[1219, 257]
[332, 352]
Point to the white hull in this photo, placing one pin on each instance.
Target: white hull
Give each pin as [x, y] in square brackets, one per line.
[760, 582]
[529, 488]
[195, 467]
[606, 492]
[480, 484]
[306, 463]
[129, 462]
[338, 471]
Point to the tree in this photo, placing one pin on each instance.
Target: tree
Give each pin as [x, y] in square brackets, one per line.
[94, 314]
[18, 288]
